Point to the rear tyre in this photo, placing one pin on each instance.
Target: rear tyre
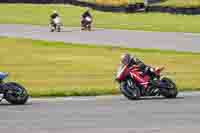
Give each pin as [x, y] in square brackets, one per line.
[15, 93]
[58, 28]
[132, 93]
[89, 27]
[170, 91]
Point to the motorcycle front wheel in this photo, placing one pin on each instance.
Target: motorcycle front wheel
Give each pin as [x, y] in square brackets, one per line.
[15, 93]
[170, 89]
[132, 93]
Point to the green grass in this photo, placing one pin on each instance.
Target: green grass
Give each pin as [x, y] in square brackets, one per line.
[58, 69]
[181, 3]
[39, 15]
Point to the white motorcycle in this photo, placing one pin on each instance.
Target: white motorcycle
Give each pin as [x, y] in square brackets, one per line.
[56, 25]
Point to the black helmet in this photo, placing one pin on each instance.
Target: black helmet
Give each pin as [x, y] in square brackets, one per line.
[125, 58]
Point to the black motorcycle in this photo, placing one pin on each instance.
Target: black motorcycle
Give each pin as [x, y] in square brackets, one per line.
[13, 92]
[86, 23]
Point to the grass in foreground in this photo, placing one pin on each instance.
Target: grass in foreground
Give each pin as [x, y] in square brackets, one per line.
[58, 69]
[39, 15]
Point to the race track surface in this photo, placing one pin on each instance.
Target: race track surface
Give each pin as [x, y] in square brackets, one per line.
[123, 38]
[106, 114]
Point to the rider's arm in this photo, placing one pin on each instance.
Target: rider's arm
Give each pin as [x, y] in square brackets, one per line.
[89, 15]
[145, 68]
[56, 15]
[139, 63]
[83, 15]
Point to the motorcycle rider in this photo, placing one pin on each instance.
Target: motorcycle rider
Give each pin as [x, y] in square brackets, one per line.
[85, 15]
[127, 59]
[53, 16]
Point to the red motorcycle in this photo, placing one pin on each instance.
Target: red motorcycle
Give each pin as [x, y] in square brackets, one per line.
[134, 84]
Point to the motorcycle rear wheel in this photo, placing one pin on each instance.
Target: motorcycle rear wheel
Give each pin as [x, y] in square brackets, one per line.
[15, 94]
[58, 28]
[89, 27]
[129, 92]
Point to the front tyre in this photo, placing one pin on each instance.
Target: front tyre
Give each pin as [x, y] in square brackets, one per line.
[170, 89]
[130, 92]
[51, 26]
[15, 93]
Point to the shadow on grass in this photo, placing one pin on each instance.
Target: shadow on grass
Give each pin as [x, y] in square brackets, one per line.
[156, 1]
[189, 89]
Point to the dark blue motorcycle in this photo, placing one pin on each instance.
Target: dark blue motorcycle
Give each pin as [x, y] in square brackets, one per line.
[13, 92]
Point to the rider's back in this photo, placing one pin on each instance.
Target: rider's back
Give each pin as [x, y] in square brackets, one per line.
[54, 15]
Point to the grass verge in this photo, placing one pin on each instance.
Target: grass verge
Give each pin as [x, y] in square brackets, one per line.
[39, 15]
[59, 69]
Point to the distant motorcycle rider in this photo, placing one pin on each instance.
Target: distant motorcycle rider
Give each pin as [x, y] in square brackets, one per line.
[53, 16]
[86, 15]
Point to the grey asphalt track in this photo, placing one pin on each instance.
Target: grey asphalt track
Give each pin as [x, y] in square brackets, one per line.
[107, 114]
[123, 38]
